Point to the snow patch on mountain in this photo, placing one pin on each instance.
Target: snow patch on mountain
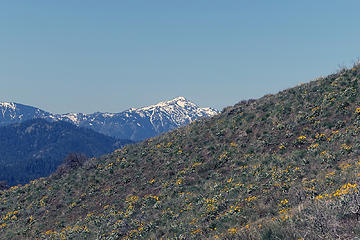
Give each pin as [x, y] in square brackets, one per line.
[8, 105]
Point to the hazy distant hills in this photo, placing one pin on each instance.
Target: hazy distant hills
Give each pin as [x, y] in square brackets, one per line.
[135, 124]
[35, 148]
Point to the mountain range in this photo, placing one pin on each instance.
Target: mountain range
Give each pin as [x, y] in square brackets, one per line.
[135, 124]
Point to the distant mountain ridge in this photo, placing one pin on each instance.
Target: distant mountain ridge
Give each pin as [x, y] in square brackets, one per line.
[35, 148]
[14, 112]
[135, 124]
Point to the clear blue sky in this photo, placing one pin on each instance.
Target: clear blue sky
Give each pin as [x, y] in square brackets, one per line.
[86, 56]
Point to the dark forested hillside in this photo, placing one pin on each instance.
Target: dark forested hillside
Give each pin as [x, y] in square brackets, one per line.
[35, 148]
[285, 166]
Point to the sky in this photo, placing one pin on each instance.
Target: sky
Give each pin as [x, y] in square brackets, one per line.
[87, 56]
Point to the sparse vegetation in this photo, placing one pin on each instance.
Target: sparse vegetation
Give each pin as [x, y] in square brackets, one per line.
[285, 166]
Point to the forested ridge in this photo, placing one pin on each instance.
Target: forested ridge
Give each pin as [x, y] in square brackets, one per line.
[34, 148]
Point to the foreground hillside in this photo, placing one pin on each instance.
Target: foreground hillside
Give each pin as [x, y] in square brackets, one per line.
[35, 148]
[285, 166]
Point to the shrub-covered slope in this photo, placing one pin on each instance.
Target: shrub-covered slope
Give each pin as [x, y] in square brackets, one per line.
[285, 166]
[35, 148]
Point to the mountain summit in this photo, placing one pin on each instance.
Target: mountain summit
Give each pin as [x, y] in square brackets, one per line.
[14, 112]
[135, 124]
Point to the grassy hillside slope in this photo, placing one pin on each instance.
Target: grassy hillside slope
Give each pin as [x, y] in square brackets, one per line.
[285, 166]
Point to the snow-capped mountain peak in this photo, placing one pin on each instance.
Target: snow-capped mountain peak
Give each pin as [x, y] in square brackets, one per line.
[179, 100]
[135, 124]
[12, 112]
[179, 111]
